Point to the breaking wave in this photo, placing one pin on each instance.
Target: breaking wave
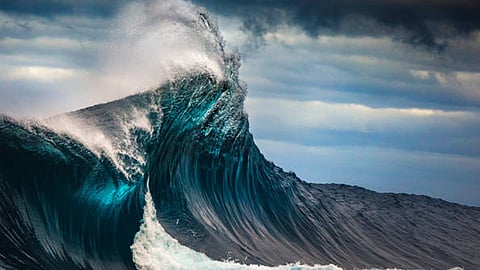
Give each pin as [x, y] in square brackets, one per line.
[171, 178]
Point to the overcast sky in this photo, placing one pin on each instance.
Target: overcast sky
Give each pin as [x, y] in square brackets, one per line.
[380, 94]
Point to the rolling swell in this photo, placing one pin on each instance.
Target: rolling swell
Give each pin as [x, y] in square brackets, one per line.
[73, 191]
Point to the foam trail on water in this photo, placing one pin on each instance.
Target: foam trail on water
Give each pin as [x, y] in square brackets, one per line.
[155, 249]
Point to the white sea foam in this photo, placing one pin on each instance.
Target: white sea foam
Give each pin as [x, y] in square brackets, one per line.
[155, 249]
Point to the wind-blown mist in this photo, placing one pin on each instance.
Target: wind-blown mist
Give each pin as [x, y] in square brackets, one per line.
[153, 41]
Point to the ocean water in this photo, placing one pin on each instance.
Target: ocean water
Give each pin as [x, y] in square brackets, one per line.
[171, 178]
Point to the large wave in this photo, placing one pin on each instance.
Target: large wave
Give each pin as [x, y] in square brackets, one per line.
[158, 179]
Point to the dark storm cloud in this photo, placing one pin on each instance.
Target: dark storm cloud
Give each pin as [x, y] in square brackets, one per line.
[420, 23]
[48, 8]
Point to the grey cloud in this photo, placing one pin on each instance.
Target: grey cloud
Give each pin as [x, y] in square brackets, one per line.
[372, 72]
[434, 134]
[419, 23]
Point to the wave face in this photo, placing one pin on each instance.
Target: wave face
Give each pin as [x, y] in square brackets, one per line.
[107, 187]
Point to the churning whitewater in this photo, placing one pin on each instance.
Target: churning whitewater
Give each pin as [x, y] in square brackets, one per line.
[171, 178]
